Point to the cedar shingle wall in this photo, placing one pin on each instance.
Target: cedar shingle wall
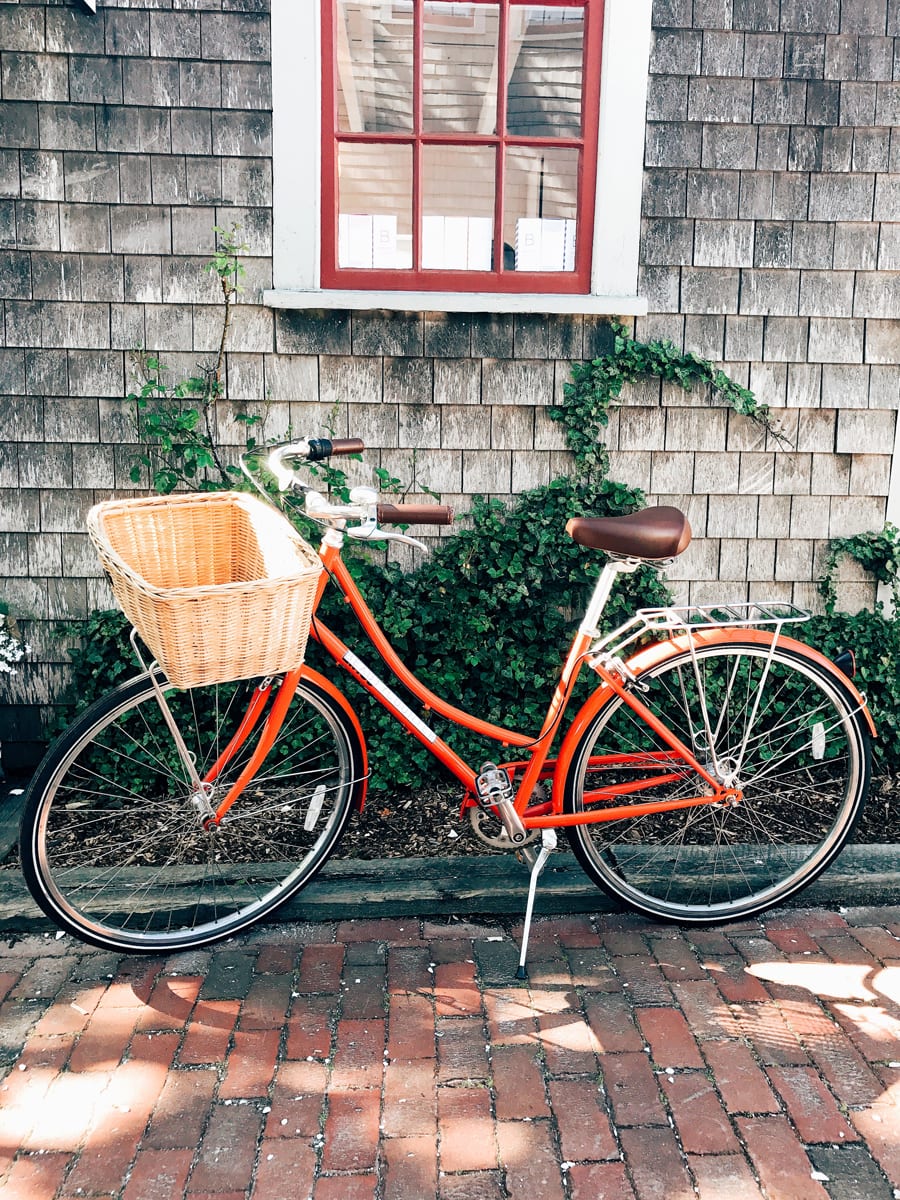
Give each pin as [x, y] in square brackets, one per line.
[771, 243]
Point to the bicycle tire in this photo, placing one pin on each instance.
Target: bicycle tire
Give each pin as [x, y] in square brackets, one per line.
[804, 778]
[114, 851]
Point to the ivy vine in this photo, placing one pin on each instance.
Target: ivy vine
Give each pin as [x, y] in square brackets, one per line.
[596, 385]
[877, 553]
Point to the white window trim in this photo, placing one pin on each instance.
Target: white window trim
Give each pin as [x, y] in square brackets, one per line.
[296, 92]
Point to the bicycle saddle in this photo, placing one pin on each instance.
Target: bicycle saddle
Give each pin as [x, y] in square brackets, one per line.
[651, 533]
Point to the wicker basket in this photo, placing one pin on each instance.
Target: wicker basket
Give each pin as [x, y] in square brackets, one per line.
[218, 585]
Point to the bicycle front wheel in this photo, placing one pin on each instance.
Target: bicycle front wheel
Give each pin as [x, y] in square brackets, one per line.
[115, 851]
[779, 726]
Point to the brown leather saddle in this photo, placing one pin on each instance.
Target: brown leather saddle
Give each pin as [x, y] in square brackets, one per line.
[651, 533]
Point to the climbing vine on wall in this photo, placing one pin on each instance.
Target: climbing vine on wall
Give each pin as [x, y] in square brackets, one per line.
[596, 385]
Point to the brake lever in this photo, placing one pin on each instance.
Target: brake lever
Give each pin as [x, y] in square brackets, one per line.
[370, 531]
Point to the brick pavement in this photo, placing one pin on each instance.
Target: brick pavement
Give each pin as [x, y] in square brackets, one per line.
[399, 1060]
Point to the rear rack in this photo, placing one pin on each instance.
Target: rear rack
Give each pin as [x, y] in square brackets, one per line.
[692, 617]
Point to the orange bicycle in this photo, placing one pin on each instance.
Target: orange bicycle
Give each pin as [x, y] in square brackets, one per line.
[717, 768]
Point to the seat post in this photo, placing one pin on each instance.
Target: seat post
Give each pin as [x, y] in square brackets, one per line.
[616, 566]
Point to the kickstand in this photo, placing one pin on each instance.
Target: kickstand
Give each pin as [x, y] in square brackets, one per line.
[548, 845]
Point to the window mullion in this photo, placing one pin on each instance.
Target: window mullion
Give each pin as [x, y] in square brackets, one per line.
[500, 167]
[418, 40]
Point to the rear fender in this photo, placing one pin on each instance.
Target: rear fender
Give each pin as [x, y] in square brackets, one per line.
[660, 652]
[335, 694]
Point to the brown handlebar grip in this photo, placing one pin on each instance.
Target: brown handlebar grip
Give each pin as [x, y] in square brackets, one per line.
[415, 514]
[347, 445]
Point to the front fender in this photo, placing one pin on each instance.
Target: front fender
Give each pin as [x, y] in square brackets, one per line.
[334, 693]
[660, 652]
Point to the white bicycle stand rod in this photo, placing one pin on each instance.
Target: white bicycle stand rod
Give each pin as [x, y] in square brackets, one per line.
[548, 845]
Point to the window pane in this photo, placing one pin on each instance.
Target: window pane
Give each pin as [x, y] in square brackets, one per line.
[457, 207]
[543, 71]
[375, 206]
[459, 67]
[374, 59]
[540, 207]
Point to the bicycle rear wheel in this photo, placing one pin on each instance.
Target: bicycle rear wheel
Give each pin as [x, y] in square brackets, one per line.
[781, 728]
[114, 850]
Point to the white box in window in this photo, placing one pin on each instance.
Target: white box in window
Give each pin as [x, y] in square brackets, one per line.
[456, 243]
[367, 240]
[545, 244]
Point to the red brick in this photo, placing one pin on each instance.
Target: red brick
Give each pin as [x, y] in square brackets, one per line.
[880, 1126]
[411, 1168]
[298, 1100]
[643, 980]
[734, 981]
[590, 968]
[612, 1022]
[462, 1053]
[251, 1064]
[529, 1159]
[171, 1002]
[518, 1083]
[209, 1032]
[467, 1139]
[813, 920]
[228, 1149]
[23, 1091]
[34, 1177]
[105, 1040]
[8, 980]
[159, 1175]
[724, 1177]
[409, 1097]
[456, 990]
[359, 1054]
[364, 990]
[622, 944]
[511, 1020]
[396, 933]
[66, 1110]
[582, 1120]
[779, 1158]
[600, 1181]
[267, 1002]
[743, 1086]
[632, 1090]
[669, 1036]
[653, 1157]
[792, 942]
[879, 942]
[570, 1045]
[705, 1009]
[351, 1130]
[701, 1120]
[157, 1048]
[410, 1027]
[850, 1077]
[810, 1105]
[309, 1027]
[320, 969]
[117, 1127]
[346, 1187]
[773, 1039]
[181, 1110]
[481, 1185]
[676, 959]
[873, 1031]
[286, 1170]
[276, 960]
[409, 969]
[64, 1016]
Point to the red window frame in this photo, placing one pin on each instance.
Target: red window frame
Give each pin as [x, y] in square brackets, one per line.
[497, 279]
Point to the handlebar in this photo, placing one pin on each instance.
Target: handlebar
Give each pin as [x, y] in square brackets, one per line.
[414, 514]
[361, 507]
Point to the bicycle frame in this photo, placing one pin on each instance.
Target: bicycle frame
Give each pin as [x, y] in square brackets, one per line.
[539, 765]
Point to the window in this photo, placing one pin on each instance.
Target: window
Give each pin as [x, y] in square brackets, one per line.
[455, 158]
[445, 122]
